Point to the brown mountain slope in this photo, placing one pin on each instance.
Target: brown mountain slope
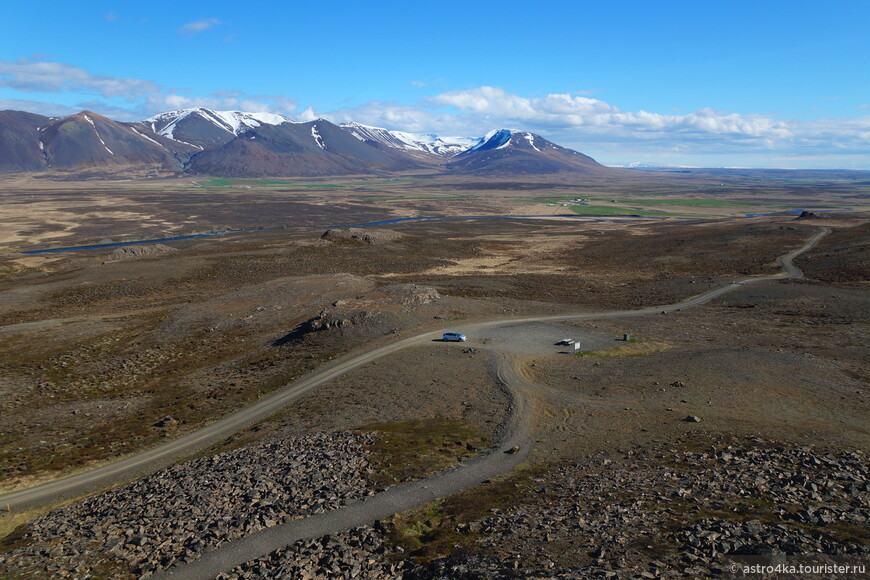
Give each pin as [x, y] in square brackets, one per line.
[310, 149]
[19, 141]
[89, 140]
[509, 152]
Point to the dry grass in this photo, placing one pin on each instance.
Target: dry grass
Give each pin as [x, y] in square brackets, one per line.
[634, 347]
[414, 449]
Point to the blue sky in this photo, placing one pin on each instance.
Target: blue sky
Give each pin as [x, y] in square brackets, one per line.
[760, 84]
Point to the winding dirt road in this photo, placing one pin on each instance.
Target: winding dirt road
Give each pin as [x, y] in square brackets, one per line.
[500, 460]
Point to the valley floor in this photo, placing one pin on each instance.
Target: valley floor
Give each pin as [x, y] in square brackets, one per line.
[104, 355]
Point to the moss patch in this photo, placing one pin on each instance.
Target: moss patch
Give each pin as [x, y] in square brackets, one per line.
[413, 449]
[447, 526]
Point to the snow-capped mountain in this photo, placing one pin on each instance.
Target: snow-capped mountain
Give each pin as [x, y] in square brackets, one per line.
[205, 128]
[519, 152]
[504, 138]
[83, 141]
[240, 144]
[313, 149]
[427, 143]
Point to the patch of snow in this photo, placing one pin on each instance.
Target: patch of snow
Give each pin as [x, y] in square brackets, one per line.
[234, 122]
[98, 134]
[218, 119]
[317, 138]
[144, 136]
[495, 139]
[531, 139]
[429, 143]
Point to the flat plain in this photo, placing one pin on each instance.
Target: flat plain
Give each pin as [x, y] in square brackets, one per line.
[108, 351]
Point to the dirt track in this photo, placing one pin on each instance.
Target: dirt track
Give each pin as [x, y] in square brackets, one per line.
[150, 460]
[522, 336]
[616, 392]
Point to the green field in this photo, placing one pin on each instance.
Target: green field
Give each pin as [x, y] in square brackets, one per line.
[691, 202]
[615, 211]
[404, 197]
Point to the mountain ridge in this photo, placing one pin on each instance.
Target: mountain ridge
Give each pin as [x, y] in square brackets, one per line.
[428, 143]
[508, 151]
[239, 144]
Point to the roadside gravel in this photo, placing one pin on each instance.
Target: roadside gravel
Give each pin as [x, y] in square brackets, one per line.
[176, 513]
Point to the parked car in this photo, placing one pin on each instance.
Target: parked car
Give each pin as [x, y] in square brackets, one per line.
[453, 337]
[566, 341]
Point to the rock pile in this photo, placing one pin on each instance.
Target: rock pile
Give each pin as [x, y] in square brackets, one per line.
[669, 513]
[331, 319]
[411, 294]
[362, 236]
[125, 252]
[359, 553]
[176, 513]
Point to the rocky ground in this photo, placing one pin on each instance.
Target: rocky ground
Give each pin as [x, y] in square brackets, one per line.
[619, 485]
[663, 512]
[670, 512]
[174, 514]
[680, 509]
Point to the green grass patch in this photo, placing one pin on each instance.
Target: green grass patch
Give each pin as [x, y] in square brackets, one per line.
[445, 527]
[273, 182]
[551, 200]
[223, 182]
[616, 211]
[413, 449]
[401, 197]
[692, 202]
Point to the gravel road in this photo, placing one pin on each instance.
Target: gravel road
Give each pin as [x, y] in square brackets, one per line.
[518, 333]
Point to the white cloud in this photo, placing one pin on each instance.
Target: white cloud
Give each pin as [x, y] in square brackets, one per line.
[223, 101]
[586, 124]
[563, 111]
[308, 114]
[197, 26]
[604, 130]
[120, 98]
[38, 107]
[33, 75]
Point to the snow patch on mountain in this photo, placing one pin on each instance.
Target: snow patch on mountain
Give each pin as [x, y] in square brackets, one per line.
[495, 139]
[234, 122]
[317, 138]
[144, 136]
[531, 139]
[427, 142]
[91, 121]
